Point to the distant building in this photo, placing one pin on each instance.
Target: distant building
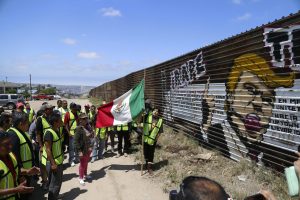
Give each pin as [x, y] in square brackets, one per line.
[8, 86]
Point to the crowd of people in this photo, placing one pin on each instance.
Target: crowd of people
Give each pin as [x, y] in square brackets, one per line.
[33, 145]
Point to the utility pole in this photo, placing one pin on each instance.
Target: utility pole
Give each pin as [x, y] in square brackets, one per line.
[6, 78]
[30, 87]
[4, 87]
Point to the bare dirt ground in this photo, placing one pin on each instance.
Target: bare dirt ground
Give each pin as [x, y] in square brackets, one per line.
[113, 178]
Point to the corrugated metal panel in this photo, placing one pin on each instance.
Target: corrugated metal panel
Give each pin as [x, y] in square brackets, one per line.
[240, 95]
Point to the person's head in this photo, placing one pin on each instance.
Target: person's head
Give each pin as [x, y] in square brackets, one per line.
[20, 107]
[148, 105]
[73, 107]
[93, 109]
[65, 104]
[5, 120]
[87, 108]
[103, 102]
[55, 120]
[27, 105]
[48, 109]
[20, 121]
[250, 99]
[5, 144]
[83, 119]
[39, 113]
[59, 103]
[156, 112]
[201, 188]
[78, 108]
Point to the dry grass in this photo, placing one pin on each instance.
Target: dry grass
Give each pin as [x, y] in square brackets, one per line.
[182, 154]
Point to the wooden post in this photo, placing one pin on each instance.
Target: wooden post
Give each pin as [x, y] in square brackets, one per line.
[142, 151]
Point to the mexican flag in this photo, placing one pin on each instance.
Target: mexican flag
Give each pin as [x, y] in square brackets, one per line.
[123, 109]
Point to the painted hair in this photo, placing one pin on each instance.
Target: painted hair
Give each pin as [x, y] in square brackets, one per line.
[257, 65]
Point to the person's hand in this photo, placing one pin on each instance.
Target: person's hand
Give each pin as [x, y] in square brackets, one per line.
[54, 167]
[33, 171]
[267, 194]
[41, 149]
[80, 154]
[22, 188]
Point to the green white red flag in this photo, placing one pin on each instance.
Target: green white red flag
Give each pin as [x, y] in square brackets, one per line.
[123, 109]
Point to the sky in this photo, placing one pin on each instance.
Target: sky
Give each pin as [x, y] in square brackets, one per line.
[90, 42]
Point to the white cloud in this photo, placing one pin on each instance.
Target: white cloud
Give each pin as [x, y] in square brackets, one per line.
[244, 17]
[110, 12]
[237, 1]
[88, 55]
[69, 41]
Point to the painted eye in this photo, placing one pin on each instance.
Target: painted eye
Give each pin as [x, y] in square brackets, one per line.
[250, 88]
[268, 100]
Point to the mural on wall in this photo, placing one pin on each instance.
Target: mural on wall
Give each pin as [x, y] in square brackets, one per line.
[256, 108]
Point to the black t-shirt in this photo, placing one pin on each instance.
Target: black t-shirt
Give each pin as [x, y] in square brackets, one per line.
[48, 136]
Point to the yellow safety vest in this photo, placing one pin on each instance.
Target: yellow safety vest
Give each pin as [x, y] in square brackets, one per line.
[56, 149]
[101, 132]
[150, 139]
[72, 124]
[111, 128]
[63, 113]
[123, 127]
[25, 152]
[7, 179]
[148, 124]
[30, 114]
[45, 124]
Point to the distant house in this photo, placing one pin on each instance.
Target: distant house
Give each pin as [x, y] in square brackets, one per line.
[7, 86]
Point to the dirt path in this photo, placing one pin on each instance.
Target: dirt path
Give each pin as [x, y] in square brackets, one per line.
[113, 178]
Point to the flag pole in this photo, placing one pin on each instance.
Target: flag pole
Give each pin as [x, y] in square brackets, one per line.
[142, 151]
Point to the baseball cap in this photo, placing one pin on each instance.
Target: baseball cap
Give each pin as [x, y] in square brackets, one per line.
[46, 106]
[20, 104]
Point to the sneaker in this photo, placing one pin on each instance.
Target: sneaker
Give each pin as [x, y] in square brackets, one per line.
[73, 164]
[87, 177]
[125, 154]
[93, 160]
[81, 182]
[118, 155]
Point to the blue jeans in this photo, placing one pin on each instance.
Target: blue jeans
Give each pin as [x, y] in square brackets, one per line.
[98, 148]
[73, 155]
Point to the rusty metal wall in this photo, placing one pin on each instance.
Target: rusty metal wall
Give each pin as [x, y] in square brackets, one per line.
[240, 95]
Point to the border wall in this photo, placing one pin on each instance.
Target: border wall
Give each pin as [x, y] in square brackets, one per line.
[240, 95]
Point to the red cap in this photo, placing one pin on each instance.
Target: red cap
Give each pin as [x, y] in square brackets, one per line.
[20, 104]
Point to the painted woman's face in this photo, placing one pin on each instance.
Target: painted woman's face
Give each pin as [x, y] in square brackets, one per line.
[251, 106]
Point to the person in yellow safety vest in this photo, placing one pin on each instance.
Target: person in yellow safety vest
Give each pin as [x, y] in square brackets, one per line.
[30, 112]
[111, 131]
[123, 133]
[99, 144]
[64, 109]
[10, 186]
[153, 127]
[93, 115]
[70, 122]
[22, 147]
[42, 124]
[53, 155]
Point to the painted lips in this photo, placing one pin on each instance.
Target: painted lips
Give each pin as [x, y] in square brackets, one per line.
[252, 122]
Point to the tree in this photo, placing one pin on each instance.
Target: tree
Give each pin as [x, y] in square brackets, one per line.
[51, 91]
